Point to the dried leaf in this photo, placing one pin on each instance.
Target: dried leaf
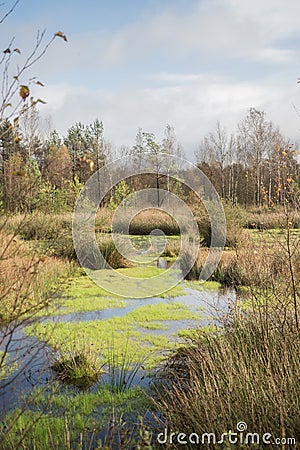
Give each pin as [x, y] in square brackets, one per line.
[40, 83]
[7, 50]
[19, 173]
[17, 50]
[62, 35]
[24, 92]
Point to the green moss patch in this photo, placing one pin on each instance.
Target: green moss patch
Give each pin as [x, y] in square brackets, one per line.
[119, 336]
[206, 286]
[139, 282]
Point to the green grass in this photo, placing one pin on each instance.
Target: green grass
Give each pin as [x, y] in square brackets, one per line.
[83, 294]
[6, 367]
[70, 305]
[81, 368]
[267, 238]
[161, 311]
[194, 333]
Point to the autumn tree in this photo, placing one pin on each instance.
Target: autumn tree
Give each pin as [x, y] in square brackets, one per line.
[58, 167]
[256, 137]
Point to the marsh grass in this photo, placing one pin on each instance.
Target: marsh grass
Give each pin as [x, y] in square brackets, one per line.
[270, 219]
[28, 282]
[122, 367]
[146, 221]
[78, 366]
[129, 341]
[245, 372]
[252, 264]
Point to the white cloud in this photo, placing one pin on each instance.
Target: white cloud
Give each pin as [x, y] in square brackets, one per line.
[189, 69]
[192, 108]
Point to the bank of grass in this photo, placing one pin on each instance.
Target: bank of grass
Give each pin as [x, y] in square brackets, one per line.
[255, 263]
[146, 221]
[140, 282]
[81, 293]
[244, 372]
[51, 235]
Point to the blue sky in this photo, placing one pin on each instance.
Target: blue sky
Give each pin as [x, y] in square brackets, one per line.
[150, 63]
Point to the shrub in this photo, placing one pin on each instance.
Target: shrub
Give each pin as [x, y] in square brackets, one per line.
[42, 227]
[234, 228]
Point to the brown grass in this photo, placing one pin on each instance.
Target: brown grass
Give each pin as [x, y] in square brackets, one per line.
[244, 373]
[27, 280]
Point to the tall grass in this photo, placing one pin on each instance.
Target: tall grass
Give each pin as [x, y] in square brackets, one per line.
[122, 368]
[27, 281]
[266, 219]
[146, 221]
[77, 364]
[52, 235]
[246, 372]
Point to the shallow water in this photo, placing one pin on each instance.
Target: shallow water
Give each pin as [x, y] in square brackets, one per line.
[210, 302]
[34, 355]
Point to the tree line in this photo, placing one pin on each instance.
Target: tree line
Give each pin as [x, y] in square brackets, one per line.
[256, 166]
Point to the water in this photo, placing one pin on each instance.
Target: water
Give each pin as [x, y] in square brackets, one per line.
[33, 354]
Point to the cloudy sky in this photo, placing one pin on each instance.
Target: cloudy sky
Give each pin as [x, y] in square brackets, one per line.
[187, 63]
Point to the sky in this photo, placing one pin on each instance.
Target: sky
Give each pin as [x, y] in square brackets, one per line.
[149, 63]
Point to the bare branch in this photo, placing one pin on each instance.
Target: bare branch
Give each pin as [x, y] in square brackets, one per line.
[10, 11]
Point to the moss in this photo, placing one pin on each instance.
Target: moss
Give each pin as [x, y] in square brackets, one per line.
[203, 286]
[162, 311]
[121, 334]
[139, 282]
[90, 304]
[83, 294]
[195, 333]
[153, 326]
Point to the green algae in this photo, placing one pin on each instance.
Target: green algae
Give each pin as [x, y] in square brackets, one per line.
[83, 294]
[139, 282]
[118, 333]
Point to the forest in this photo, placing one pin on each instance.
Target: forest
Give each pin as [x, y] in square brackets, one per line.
[256, 167]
